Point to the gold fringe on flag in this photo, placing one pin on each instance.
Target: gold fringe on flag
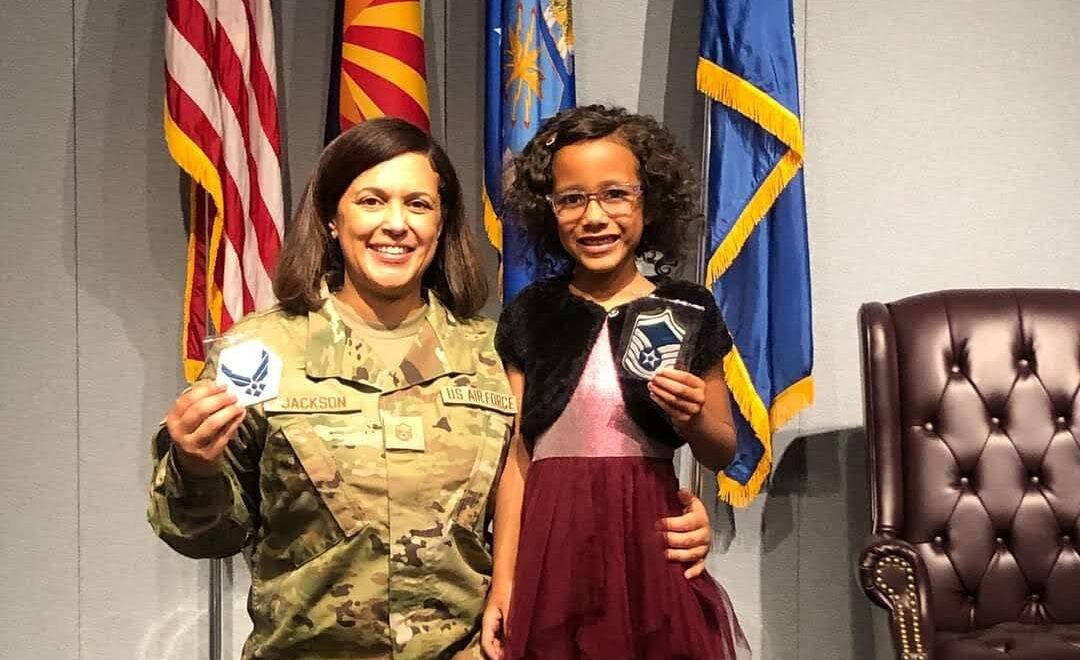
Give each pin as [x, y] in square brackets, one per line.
[764, 198]
[791, 401]
[197, 164]
[492, 225]
[192, 366]
[734, 92]
[753, 410]
[725, 87]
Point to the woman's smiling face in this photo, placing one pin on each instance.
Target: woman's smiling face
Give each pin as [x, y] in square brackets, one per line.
[388, 224]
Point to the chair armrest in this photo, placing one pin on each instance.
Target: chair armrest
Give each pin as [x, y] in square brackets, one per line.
[894, 576]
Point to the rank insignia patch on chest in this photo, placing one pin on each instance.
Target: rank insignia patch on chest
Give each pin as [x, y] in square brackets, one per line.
[403, 432]
[654, 344]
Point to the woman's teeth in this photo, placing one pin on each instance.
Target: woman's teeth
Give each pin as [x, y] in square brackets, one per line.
[391, 249]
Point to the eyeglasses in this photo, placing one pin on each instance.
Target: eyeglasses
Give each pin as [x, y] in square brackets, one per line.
[615, 201]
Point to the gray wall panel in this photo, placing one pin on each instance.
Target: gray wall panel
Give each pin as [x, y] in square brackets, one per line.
[304, 46]
[138, 598]
[38, 477]
[942, 144]
[464, 140]
[610, 47]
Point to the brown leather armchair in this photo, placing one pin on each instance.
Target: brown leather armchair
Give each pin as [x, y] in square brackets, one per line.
[972, 405]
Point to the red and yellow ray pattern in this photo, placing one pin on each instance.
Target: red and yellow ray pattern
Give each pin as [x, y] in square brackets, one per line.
[382, 62]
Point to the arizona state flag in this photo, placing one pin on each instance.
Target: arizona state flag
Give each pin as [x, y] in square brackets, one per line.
[758, 268]
[378, 67]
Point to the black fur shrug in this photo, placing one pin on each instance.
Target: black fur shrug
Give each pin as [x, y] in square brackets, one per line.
[546, 332]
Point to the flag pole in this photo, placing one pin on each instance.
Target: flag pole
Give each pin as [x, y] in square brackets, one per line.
[697, 470]
[719, 510]
[214, 612]
[215, 609]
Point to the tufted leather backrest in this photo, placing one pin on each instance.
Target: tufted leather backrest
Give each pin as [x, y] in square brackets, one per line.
[974, 421]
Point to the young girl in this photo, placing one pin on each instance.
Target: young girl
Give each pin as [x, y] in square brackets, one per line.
[580, 570]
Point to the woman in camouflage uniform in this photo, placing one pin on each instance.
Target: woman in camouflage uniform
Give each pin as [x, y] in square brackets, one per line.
[362, 490]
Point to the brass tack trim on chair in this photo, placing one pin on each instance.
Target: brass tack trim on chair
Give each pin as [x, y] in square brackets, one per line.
[905, 607]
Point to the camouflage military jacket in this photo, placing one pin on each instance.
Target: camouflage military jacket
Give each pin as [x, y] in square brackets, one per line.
[363, 494]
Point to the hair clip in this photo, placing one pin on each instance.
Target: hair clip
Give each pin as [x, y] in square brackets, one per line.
[550, 141]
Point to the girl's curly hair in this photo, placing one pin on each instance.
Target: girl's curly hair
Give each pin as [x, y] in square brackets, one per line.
[671, 189]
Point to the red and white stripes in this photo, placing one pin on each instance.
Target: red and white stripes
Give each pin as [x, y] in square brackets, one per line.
[222, 129]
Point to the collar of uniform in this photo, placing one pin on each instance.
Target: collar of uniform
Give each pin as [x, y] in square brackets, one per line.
[440, 348]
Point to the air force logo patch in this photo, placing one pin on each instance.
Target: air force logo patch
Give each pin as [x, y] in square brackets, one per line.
[250, 371]
[654, 344]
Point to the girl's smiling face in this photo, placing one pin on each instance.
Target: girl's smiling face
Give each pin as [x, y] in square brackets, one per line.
[602, 174]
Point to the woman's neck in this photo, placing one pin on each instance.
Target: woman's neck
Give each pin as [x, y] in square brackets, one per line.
[613, 288]
[388, 311]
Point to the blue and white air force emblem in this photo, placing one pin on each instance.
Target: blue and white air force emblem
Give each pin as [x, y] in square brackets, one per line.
[250, 371]
[654, 344]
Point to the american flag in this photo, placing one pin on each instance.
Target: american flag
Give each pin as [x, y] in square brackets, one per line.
[221, 127]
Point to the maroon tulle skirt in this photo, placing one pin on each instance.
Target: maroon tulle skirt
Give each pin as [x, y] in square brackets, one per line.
[592, 580]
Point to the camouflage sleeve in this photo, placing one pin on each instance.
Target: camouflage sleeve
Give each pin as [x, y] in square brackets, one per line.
[208, 516]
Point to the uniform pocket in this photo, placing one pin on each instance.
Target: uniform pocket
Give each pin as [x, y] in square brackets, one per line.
[491, 431]
[322, 470]
[307, 505]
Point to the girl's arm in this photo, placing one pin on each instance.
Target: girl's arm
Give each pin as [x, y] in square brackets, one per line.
[508, 498]
[510, 493]
[700, 411]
